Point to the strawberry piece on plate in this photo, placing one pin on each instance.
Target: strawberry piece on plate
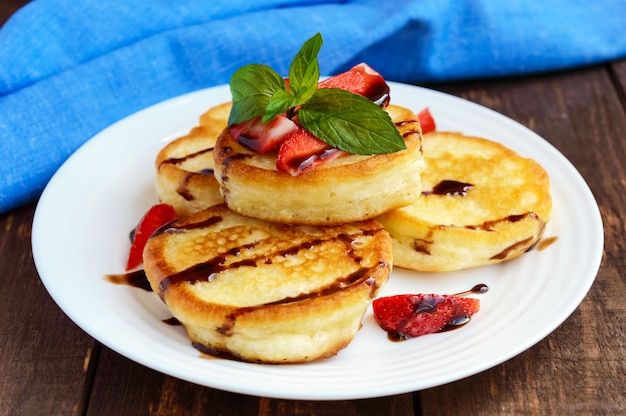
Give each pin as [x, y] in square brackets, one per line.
[302, 151]
[157, 216]
[412, 315]
[427, 121]
[263, 137]
[363, 80]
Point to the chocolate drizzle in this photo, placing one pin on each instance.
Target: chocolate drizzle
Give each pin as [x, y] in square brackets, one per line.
[183, 187]
[178, 160]
[136, 279]
[450, 187]
[422, 245]
[412, 129]
[211, 269]
[305, 162]
[227, 155]
[179, 226]
[490, 225]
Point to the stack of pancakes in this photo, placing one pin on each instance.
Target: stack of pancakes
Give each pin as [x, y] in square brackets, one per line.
[266, 267]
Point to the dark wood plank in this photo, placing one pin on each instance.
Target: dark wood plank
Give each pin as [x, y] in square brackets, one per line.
[123, 387]
[579, 368]
[44, 355]
[8, 7]
[618, 71]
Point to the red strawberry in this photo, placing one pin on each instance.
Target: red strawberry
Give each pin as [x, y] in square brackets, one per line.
[302, 151]
[427, 121]
[408, 316]
[263, 137]
[363, 80]
[157, 216]
[470, 305]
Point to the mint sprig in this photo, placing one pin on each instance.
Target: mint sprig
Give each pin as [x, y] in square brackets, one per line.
[341, 119]
[350, 122]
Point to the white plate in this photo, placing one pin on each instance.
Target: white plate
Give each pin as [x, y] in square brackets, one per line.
[83, 218]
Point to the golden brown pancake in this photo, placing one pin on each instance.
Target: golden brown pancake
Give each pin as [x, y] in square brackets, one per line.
[184, 167]
[481, 204]
[346, 189]
[266, 292]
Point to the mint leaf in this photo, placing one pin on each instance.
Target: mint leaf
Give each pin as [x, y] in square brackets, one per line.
[251, 87]
[304, 72]
[278, 103]
[350, 122]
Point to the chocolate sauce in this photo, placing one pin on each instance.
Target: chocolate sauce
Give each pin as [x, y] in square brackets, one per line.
[411, 131]
[512, 248]
[229, 158]
[179, 226]
[478, 289]
[305, 162]
[210, 269]
[363, 275]
[489, 225]
[450, 187]
[183, 188]
[136, 279]
[171, 321]
[214, 353]
[456, 323]
[179, 160]
[546, 242]
[422, 246]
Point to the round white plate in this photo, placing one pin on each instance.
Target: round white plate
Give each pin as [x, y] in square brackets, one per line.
[84, 216]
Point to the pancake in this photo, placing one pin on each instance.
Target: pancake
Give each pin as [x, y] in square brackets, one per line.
[481, 204]
[263, 292]
[346, 189]
[184, 167]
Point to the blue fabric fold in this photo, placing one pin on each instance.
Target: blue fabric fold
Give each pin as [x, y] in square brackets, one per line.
[69, 68]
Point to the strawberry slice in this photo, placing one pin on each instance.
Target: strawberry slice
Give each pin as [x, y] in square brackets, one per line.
[427, 121]
[157, 216]
[363, 80]
[263, 137]
[413, 315]
[302, 151]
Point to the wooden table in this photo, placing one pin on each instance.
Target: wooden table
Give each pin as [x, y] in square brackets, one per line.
[50, 366]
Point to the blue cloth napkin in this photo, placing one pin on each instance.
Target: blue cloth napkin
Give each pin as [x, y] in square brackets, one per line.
[69, 68]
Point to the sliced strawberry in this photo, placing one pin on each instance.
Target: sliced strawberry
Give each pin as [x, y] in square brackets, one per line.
[263, 137]
[470, 305]
[427, 121]
[157, 216]
[363, 80]
[302, 151]
[413, 315]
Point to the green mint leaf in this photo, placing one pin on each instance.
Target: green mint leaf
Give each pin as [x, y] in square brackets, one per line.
[278, 103]
[252, 87]
[350, 122]
[304, 72]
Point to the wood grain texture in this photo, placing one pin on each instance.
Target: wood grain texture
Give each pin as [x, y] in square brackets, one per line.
[44, 356]
[579, 368]
[123, 387]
